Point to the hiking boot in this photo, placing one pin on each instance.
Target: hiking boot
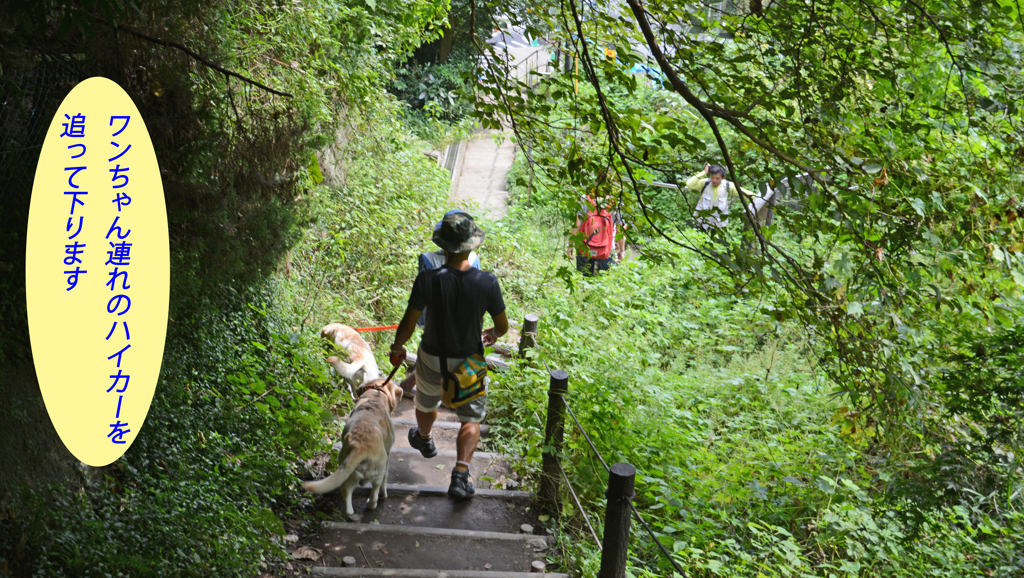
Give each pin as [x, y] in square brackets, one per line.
[461, 488]
[409, 386]
[426, 446]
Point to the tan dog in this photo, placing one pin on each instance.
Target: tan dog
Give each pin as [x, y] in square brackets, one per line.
[362, 368]
[366, 445]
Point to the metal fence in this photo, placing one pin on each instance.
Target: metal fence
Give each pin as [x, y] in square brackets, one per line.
[533, 67]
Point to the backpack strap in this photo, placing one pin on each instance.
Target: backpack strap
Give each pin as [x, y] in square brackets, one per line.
[597, 213]
[441, 315]
[443, 320]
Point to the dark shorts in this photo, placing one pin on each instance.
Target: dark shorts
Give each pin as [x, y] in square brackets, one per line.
[589, 266]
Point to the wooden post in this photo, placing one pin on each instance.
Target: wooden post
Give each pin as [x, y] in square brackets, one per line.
[617, 517]
[553, 433]
[528, 336]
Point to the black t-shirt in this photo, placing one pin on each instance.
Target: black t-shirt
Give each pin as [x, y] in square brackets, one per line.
[466, 296]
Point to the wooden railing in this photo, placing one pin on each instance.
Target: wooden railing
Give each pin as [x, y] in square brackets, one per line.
[619, 509]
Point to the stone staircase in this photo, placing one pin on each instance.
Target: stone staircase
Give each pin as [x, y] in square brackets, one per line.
[418, 531]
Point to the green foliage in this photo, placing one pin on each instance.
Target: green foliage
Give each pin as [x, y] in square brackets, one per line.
[245, 396]
[912, 237]
[713, 371]
[746, 464]
[357, 260]
[903, 267]
[985, 380]
[194, 490]
[439, 90]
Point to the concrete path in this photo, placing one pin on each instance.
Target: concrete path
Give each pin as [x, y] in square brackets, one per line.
[483, 167]
[483, 178]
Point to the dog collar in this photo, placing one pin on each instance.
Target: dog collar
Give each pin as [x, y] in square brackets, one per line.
[379, 387]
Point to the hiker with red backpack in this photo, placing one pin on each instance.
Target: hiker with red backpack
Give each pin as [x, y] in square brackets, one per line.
[597, 224]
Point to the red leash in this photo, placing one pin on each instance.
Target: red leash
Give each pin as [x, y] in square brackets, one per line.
[381, 328]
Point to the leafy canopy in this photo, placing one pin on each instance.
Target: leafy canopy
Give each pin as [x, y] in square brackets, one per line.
[901, 115]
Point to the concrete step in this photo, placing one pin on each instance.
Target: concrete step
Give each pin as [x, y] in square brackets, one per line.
[419, 548]
[484, 174]
[406, 409]
[445, 454]
[400, 421]
[408, 466]
[444, 436]
[409, 573]
[404, 489]
[436, 509]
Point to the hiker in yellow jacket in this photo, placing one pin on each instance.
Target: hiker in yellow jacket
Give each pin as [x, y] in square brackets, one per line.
[715, 193]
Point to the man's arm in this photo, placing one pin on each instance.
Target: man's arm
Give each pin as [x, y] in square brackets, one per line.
[570, 249]
[747, 194]
[402, 335]
[696, 182]
[500, 328]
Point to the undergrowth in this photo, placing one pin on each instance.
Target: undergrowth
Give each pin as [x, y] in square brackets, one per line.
[743, 467]
[745, 464]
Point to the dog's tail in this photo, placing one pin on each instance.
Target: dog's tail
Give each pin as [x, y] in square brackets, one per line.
[334, 481]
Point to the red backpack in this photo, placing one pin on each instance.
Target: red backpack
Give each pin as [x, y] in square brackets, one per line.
[599, 231]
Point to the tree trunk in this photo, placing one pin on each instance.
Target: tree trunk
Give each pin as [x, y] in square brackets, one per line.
[448, 40]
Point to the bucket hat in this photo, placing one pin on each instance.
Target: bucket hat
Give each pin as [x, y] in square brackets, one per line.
[451, 212]
[458, 233]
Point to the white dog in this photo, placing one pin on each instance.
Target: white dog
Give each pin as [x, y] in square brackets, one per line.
[366, 445]
[362, 368]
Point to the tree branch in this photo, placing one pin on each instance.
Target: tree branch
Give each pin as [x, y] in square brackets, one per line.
[640, 14]
[202, 60]
[707, 112]
[613, 138]
[942, 37]
[502, 93]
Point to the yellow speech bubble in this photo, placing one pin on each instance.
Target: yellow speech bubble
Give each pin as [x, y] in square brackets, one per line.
[97, 271]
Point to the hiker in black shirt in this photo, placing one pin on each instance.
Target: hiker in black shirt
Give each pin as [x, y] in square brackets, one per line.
[456, 313]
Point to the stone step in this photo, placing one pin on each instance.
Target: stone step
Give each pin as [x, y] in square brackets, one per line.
[444, 436]
[421, 548]
[410, 573]
[445, 454]
[435, 509]
[442, 454]
[400, 421]
[404, 489]
[408, 466]
[406, 409]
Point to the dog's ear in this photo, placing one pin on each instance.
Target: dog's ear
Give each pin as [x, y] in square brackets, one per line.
[396, 394]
